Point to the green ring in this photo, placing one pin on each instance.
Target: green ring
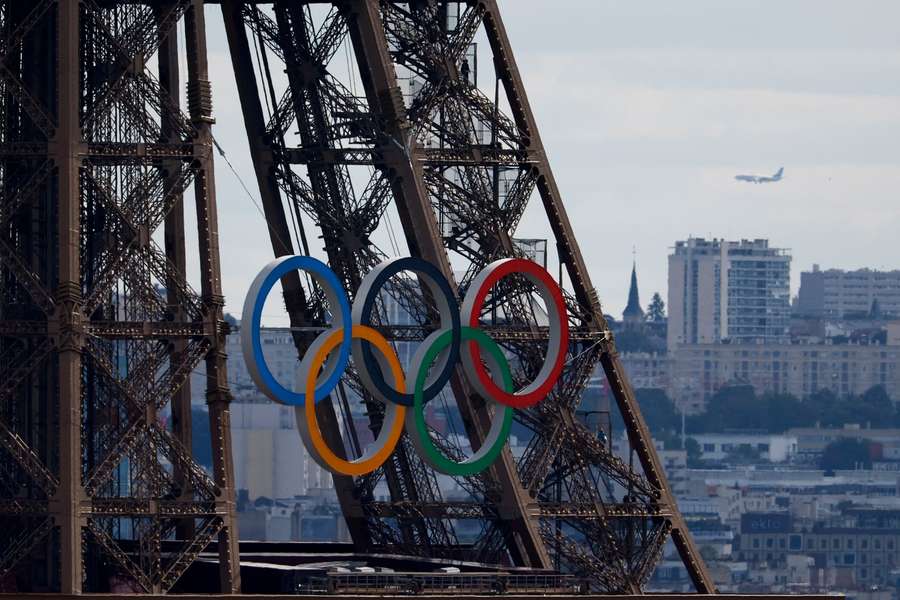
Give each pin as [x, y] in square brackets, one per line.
[429, 452]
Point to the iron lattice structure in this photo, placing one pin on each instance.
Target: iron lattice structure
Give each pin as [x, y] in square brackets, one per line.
[99, 328]
[396, 122]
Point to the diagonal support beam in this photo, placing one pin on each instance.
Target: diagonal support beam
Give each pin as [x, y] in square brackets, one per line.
[570, 254]
[423, 238]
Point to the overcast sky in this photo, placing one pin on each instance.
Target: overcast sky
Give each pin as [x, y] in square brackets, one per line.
[649, 108]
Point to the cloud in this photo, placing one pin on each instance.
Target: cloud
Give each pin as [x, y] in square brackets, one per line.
[648, 110]
[628, 117]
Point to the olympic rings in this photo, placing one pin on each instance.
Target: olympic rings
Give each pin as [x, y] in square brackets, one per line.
[501, 422]
[458, 338]
[253, 305]
[447, 307]
[557, 346]
[389, 436]
[309, 425]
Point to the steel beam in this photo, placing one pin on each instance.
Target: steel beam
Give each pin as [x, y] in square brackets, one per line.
[65, 145]
[262, 154]
[570, 254]
[218, 395]
[424, 240]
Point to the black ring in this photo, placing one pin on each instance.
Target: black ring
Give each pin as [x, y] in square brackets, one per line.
[371, 365]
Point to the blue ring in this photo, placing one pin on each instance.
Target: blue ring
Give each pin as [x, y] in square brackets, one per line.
[320, 270]
[420, 266]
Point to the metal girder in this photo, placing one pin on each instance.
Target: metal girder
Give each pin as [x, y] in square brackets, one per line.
[105, 159]
[439, 156]
[95, 157]
[479, 510]
[638, 433]
[261, 149]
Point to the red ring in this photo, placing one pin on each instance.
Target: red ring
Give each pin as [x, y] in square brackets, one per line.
[520, 265]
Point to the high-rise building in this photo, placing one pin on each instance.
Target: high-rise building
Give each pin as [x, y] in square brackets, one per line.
[728, 291]
[839, 293]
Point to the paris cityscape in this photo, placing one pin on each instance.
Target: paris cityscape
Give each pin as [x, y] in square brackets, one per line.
[379, 298]
[776, 424]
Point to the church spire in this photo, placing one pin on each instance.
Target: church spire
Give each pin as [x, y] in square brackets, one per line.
[633, 312]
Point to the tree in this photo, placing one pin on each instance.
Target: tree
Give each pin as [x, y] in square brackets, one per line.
[635, 340]
[846, 453]
[784, 411]
[658, 410]
[825, 405]
[876, 396]
[692, 447]
[874, 407]
[732, 407]
[656, 310]
[744, 454]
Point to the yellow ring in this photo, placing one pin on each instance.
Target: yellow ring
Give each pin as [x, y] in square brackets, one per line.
[337, 464]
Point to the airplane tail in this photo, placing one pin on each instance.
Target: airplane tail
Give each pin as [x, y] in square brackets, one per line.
[779, 173]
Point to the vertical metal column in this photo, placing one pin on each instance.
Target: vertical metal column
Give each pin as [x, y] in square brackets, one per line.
[218, 395]
[174, 242]
[65, 148]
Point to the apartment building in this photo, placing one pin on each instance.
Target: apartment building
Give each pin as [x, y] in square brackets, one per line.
[697, 371]
[728, 290]
[838, 293]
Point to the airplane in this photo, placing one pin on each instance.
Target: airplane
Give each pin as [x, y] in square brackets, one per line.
[761, 178]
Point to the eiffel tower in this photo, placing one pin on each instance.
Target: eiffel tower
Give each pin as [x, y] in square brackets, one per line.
[99, 327]
[359, 109]
[356, 111]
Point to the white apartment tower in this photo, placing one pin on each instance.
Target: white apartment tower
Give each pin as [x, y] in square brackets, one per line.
[721, 291]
